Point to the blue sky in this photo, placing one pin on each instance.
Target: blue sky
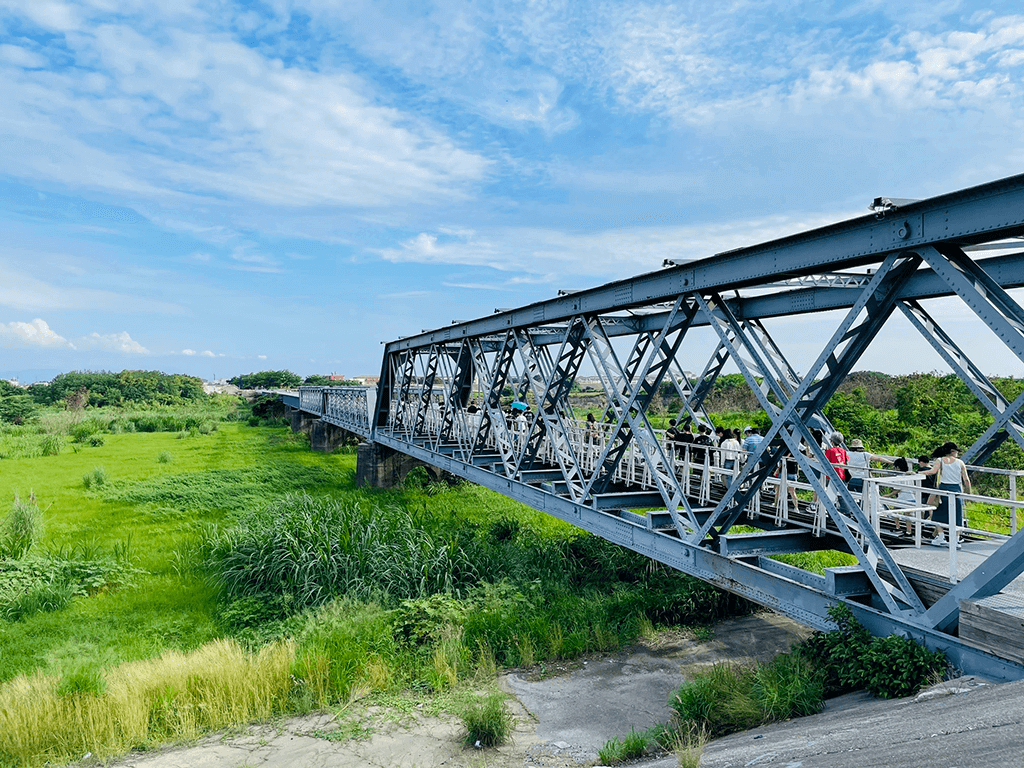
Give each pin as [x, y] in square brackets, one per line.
[216, 187]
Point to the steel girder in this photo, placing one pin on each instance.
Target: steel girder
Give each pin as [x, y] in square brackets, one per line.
[628, 401]
[539, 350]
[549, 384]
[788, 427]
[1007, 421]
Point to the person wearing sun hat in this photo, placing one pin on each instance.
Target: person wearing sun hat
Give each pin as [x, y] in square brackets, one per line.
[859, 463]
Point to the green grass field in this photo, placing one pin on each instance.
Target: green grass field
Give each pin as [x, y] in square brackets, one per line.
[159, 557]
[154, 508]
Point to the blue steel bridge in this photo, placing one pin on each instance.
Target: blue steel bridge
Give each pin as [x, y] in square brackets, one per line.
[442, 401]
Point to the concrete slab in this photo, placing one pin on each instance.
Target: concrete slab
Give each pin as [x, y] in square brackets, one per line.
[959, 724]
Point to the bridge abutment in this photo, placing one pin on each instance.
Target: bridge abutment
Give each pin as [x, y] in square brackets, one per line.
[383, 467]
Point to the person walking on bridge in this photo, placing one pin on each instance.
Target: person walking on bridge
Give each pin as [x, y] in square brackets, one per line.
[952, 476]
[730, 448]
[859, 462]
[837, 455]
[751, 439]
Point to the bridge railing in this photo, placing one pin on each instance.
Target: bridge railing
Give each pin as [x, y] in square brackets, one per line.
[786, 499]
[699, 468]
[346, 407]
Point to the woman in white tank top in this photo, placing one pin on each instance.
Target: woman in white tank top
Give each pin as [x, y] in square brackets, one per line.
[953, 476]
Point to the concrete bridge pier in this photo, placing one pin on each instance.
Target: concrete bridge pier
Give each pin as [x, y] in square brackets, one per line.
[383, 467]
[324, 437]
[301, 421]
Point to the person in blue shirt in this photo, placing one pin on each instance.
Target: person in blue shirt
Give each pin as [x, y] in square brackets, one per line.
[751, 439]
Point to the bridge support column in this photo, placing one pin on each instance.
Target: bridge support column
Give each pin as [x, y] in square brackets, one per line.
[301, 421]
[324, 437]
[383, 467]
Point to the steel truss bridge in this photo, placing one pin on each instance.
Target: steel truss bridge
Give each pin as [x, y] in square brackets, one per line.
[440, 400]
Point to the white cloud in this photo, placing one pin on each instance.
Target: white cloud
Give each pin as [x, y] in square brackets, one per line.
[188, 352]
[34, 334]
[207, 353]
[21, 57]
[261, 357]
[166, 110]
[113, 342]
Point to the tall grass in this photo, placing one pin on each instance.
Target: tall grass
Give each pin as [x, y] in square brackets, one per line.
[21, 528]
[487, 722]
[317, 549]
[44, 720]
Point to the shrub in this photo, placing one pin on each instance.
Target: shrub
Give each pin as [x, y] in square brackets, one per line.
[487, 722]
[839, 654]
[321, 548]
[96, 441]
[342, 648]
[52, 445]
[21, 528]
[44, 598]
[788, 686]
[81, 432]
[164, 457]
[897, 666]
[82, 681]
[849, 659]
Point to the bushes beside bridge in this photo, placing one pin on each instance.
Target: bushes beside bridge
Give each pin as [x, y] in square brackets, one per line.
[728, 698]
[520, 596]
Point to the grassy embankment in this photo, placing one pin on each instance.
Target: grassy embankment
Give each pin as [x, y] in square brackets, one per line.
[188, 588]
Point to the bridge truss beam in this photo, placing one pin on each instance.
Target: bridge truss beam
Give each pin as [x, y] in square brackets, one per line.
[442, 391]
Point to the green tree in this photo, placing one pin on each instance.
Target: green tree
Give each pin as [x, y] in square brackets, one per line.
[16, 405]
[267, 380]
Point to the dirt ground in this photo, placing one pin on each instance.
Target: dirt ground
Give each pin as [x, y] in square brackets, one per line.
[563, 713]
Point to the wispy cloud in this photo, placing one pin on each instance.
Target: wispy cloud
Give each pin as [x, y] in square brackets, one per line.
[171, 112]
[22, 291]
[545, 255]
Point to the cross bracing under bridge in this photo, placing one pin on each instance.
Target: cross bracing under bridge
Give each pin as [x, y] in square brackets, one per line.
[442, 396]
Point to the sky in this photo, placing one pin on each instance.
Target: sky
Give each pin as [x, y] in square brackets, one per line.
[215, 187]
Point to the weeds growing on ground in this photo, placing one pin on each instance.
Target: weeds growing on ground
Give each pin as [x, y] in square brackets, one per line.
[95, 479]
[487, 722]
[630, 747]
[51, 720]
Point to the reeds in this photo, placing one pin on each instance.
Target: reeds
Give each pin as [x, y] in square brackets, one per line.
[46, 719]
